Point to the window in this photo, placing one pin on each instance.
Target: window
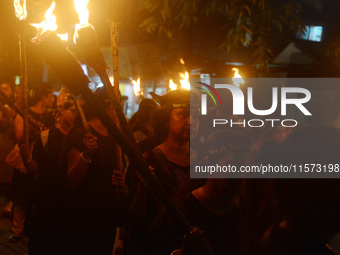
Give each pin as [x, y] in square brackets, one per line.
[312, 33]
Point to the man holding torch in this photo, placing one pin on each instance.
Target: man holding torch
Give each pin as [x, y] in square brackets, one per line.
[23, 182]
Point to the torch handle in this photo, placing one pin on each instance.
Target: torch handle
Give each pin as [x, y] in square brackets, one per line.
[23, 67]
[114, 49]
[119, 113]
[82, 115]
[116, 104]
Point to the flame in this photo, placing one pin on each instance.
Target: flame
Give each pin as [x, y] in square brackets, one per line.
[81, 9]
[63, 37]
[112, 80]
[49, 24]
[237, 79]
[182, 61]
[136, 87]
[83, 15]
[20, 10]
[185, 84]
[172, 85]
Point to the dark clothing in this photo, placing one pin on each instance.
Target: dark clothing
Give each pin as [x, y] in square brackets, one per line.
[50, 196]
[283, 242]
[47, 119]
[220, 230]
[97, 190]
[23, 183]
[148, 144]
[51, 184]
[94, 209]
[90, 232]
[175, 180]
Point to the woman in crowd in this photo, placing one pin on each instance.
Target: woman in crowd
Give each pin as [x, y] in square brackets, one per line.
[140, 122]
[95, 204]
[215, 207]
[170, 161]
[49, 163]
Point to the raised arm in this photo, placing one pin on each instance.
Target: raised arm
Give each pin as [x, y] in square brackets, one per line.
[78, 162]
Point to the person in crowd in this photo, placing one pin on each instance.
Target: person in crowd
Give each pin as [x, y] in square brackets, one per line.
[7, 91]
[170, 161]
[41, 104]
[140, 122]
[96, 185]
[215, 207]
[7, 140]
[48, 162]
[63, 93]
[296, 216]
[7, 135]
[144, 134]
[272, 135]
[60, 99]
[23, 182]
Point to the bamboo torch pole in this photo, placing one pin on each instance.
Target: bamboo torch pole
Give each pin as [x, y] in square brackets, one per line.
[115, 67]
[23, 68]
[21, 14]
[114, 50]
[82, 114]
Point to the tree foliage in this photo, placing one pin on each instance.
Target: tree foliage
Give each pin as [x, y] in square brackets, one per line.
[241, 23]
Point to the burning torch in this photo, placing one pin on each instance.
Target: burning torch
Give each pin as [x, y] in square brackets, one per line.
[71, 74]
[87, 41]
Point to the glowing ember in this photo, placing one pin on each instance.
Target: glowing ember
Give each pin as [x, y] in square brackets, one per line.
[20, 9]
[185, 84]
[237, 79]
[136, 87]
[182, 61]
[172, 85]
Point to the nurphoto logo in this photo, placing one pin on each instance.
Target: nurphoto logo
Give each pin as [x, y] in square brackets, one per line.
[238, 104]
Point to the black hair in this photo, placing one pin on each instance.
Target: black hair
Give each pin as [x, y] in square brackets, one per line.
[38, 92]
[69, 102]
[143, 115]
[102, 98]
[160, 120]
